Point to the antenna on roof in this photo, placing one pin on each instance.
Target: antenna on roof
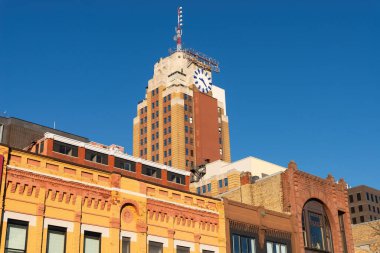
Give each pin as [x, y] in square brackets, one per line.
[178, 29]
[54, 124]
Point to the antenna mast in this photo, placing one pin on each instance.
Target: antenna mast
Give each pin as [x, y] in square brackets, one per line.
[178, 29]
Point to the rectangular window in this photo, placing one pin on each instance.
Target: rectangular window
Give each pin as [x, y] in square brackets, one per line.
[92, 242]
[226, 182]
[209, 187]
[155, 247]
[353, 209]
[359, 196]
[203, 188]
[42, 145]
[360, 208]
[151, 171]
[353, 220]
[198, 190]
[56, 240]
[181, 249]
[351, 198]
[126, 245]
[176, 178]
[361, 218]
[1, 132]
[17, 235]
[65, 149]
[125, 164]
[242, 244]
[273, 247]
[342, 232]
[367, 194]
[96, 157]
[220, 183]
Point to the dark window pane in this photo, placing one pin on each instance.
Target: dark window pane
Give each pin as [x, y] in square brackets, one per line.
[151, 171]
[181, 249]
[235, 244]
[126, 245]
[155, 247]
[125, 164]
[65, 149]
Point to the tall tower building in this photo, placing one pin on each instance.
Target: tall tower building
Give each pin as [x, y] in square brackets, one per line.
[182, 121]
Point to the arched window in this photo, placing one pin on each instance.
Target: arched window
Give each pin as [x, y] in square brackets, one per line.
[316, 228]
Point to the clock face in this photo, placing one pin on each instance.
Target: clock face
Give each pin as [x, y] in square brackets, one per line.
[202, 79]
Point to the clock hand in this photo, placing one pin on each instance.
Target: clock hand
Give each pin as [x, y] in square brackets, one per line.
[202, 81]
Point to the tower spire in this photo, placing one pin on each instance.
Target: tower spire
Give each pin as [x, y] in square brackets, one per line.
[178, 29]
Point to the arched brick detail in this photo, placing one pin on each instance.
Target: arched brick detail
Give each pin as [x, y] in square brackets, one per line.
[299, 187]
[130, 202]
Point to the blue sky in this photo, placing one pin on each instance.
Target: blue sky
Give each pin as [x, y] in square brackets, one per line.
[302, 78]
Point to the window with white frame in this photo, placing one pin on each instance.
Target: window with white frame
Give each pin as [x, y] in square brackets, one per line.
[182, 249]
[17, 236]
[243, 244]
[92, 242]
[274, 247]
[126, 245]
[56, 240]
[155, 247]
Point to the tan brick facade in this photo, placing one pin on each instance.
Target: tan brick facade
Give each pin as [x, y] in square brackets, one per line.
[366, 237]
[165, 128]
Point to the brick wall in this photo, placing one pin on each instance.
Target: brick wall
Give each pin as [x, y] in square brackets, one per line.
[366, 237]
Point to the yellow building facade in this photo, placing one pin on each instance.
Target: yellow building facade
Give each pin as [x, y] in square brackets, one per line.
[49, 203]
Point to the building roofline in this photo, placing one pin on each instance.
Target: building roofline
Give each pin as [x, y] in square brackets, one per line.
[362, 185]
[114, 153]
[10, 118]
[97, 169]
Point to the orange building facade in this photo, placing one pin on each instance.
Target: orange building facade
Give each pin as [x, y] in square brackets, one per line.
[62, 195]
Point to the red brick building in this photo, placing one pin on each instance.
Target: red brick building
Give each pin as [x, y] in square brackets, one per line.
[317, 209]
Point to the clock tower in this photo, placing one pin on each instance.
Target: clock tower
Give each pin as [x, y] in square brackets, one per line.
[182, 121]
